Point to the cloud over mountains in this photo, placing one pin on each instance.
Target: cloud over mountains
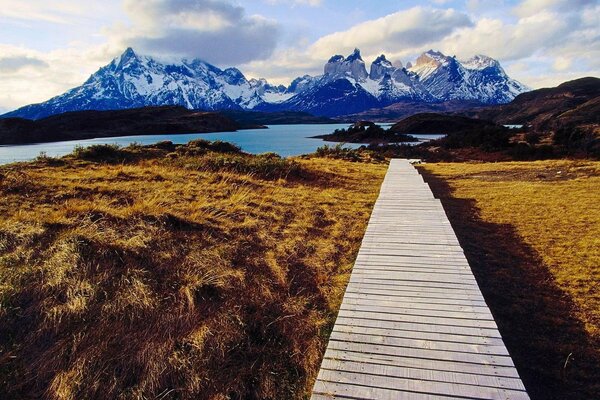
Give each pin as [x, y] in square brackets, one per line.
[221, 31]
[50, 46]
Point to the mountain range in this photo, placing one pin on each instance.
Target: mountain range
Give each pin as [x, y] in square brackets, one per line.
[345, 87]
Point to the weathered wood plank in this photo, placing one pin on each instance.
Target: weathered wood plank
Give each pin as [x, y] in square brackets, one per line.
[413, 323]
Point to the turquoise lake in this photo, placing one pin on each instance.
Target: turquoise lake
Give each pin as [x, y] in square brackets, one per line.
[285, 140]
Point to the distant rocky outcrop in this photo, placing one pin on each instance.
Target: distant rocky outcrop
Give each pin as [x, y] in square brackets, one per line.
[366, 132]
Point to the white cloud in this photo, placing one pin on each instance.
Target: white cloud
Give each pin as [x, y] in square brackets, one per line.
[311, 3]
[54, 11]
[29, 76]
[216, 31]
[11, 64]
[402, 30]
[398, 35]
[528, 8]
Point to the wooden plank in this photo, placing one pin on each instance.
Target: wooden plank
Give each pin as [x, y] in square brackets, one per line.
[421, 386]
[490, 381]
[420, 318]
[413, 323]
[405, 361]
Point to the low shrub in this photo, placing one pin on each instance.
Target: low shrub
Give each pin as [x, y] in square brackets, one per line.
[266, 166]
[101, 153]
[44, 158]
[338, 152]
[486, 138]
[218, 146]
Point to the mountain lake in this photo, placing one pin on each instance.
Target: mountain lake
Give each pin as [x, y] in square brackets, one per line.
[285, 140]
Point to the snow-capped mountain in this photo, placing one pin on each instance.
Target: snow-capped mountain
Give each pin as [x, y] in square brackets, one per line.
[133, 80]
[345, 87]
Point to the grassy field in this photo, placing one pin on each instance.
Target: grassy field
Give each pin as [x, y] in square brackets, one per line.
[174, 272]
[531, 232]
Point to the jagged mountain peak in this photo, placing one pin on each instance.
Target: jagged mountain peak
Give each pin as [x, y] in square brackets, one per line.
[336, 58]
[352, 66]
[479, 62]
[128, 54]
[431, 57]
[381, 67]
[354, 56]
[382, 60]
[135, 80]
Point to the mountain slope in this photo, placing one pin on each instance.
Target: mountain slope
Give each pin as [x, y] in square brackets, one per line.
[132, 80]
[546, 107]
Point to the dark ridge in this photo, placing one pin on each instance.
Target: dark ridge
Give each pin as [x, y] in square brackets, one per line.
[79, 125]
[433, 123]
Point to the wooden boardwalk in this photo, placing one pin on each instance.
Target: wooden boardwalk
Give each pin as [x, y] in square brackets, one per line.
[413, 323]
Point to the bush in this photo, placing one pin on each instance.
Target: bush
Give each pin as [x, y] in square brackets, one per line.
[577, 140]
[100, 152]
[267, 166]
[522, 151]
[339, 152]
[488, 138]
[533, 137]
[218, 146]
[44, 158]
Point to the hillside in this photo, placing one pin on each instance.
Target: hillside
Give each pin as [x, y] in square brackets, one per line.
[400, 110]
[275, 118]
[193, 270]
[549, 107]
[94, 124]
[438, 124]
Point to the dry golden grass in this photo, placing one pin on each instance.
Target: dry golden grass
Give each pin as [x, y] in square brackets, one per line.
[555, 208]
[531, 231]
[181, 273]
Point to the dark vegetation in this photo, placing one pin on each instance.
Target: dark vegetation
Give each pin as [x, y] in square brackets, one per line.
[366, 132]
[248, 118]
[431, 123]
[404, 109]
[93, 124]
[174, 271]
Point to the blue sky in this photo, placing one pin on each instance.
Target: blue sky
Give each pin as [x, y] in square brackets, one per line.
[49, 46]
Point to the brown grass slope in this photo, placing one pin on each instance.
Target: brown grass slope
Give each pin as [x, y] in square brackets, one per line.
[174, 272]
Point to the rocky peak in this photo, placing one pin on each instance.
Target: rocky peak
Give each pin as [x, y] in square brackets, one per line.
[354, 56]
[480, 62]
[234, 76]
[380, 67]
[430, 58]
[127, 58]
[351, 67]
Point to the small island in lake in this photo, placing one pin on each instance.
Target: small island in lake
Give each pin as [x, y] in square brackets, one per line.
[366, 132]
